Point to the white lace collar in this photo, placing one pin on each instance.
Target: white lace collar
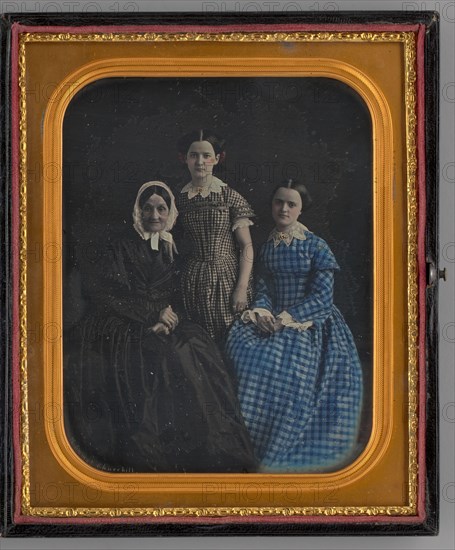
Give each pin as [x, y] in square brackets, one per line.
[215, 187]
[297, 231]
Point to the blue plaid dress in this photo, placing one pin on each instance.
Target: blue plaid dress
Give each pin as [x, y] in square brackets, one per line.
[300, 391]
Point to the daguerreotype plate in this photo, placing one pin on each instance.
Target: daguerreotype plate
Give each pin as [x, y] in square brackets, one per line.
[141, 399]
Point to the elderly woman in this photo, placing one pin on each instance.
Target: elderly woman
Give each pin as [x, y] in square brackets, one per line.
[300, 379]
[145, 390]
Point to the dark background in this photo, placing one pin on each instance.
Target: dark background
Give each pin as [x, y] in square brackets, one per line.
[121, 132]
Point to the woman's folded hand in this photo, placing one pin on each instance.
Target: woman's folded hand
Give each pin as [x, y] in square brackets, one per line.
[159, 328]
[278, 325]
[169, 318]
[266, 323]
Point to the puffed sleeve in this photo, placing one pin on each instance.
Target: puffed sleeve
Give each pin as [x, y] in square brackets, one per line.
[318, 301]
[322, 256]
[239, 209]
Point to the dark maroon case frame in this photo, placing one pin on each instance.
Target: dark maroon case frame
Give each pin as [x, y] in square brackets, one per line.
[430, 525]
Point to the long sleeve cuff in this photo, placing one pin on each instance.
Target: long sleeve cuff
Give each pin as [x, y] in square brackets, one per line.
[289, 322]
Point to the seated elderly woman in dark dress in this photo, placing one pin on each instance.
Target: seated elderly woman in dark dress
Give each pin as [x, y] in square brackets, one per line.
[144, 390]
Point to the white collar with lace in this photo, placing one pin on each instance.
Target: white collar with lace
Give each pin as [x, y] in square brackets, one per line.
[215, 187]
[297, 231]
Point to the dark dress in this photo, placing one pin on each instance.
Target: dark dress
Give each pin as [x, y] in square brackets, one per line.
[140, 402]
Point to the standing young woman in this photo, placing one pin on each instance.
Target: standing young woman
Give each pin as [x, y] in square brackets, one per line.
[300, 379]
[215, 220]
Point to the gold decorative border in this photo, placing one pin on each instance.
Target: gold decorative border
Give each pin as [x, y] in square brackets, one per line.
[219, 37]
[219, 512]
[412, 258]
[24, 436]
[410, 101]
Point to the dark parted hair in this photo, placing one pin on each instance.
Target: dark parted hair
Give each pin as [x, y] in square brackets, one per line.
[155, 190]
[217, 142]
[305, 196]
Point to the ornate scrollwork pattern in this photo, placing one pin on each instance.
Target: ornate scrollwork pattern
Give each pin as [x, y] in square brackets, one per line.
[409, 41]
[223, 37]
[412, 268]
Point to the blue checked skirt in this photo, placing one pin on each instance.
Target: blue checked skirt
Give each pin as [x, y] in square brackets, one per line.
[300, 391]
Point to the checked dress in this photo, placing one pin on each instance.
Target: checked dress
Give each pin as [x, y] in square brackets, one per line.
[300, 391]
[211, 264]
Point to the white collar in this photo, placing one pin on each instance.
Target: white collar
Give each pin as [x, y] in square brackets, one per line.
[155, 238]
[215, 187]
[297, 231]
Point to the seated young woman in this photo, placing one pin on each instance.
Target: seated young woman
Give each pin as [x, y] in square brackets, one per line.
[300, 379]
